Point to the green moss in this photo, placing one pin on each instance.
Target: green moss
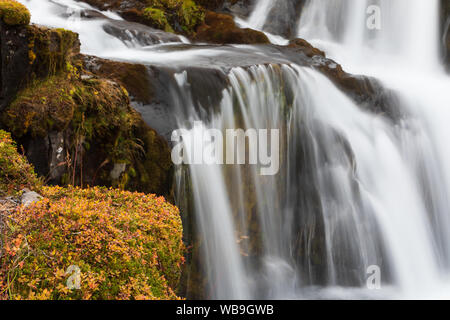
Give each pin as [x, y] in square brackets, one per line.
[158, 18]
[192, 15]
[15, 172]
[43, 106]
[14, 13]
[51, 49]
[180, 15]
[96, 115]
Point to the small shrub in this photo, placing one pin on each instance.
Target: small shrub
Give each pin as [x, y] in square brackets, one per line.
[126, 245]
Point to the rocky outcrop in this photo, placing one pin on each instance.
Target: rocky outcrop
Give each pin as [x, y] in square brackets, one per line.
[221, 29]
[78, 126]
[30, 52]
[181, 16]
[186, 17]
[239, 8]
[133, 77]
[367, 92]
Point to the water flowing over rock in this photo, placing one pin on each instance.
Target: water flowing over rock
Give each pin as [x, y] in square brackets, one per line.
[283, 17]
[362, 115]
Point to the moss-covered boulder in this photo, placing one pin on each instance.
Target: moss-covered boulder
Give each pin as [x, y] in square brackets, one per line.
[134, 77]
[94, 135]
[91, 243]
[221, 29]
[305, 47]
[15, 171]
[14, 13]
[76, 127]
[31, 52]
[180, 16]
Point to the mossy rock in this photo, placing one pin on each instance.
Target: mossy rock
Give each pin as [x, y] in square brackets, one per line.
[90, 244]
[134, 77]
[14, 13]
[51, 49]
[15, 171]
[221, 29]
[100, 127]
[180, 16]
[157, 18]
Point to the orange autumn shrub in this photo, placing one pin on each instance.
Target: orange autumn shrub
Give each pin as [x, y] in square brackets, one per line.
[124, 245]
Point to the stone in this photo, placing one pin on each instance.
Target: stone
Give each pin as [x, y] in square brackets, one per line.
[29, 197]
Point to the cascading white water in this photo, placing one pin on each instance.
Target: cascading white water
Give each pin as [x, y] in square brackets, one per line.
[371, 200]
[259, 15]
[408, 32]
[355, 189]
[404, 55]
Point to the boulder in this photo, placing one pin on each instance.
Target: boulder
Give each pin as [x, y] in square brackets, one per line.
[29, 197]
[221, 29]
[30, 52]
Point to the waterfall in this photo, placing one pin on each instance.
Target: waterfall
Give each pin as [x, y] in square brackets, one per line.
[355, 190]
[404, 55]
[259, 15]
[349, 178]
[407, 33]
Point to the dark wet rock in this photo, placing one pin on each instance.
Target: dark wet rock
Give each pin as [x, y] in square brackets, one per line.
[283, 17]
[239, 8]
[204, 87]
[221, 28]
[137, 34]
[115, 4]
[445, 31]
[305, 47]
[134, 77]
[14, 59]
